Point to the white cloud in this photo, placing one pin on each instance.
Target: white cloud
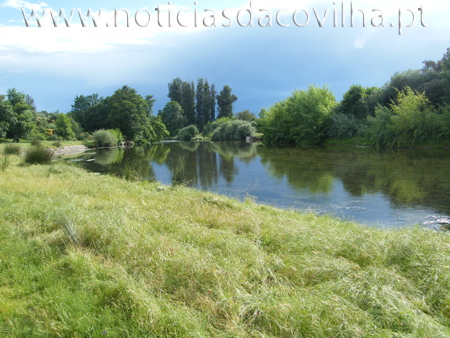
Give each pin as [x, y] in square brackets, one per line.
[18, 4]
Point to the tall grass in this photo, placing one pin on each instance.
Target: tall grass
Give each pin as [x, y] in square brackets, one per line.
[11, 149]
[93, 256]
[39, 155]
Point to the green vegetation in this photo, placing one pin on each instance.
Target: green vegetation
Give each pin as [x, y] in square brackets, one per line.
[104, 138]
[38, 155]
[187, 133]
[233, 131]
[302, 118]
[12, 149]
[88, 255]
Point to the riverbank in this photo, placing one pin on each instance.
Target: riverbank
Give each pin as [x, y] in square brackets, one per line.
[89, 255]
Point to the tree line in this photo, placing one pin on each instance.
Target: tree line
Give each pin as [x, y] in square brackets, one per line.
[195, 105]
[411, 109]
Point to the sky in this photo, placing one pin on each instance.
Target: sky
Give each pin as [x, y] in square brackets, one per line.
[262, 63]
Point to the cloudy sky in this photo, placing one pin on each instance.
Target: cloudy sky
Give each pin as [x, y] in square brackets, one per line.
[261, 64]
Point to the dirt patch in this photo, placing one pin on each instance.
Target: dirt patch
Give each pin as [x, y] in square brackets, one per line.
[70, 150]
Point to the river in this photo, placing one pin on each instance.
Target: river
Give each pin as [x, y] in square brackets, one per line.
[394, 188]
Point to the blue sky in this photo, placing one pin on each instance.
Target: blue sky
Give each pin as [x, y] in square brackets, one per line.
[262, 65]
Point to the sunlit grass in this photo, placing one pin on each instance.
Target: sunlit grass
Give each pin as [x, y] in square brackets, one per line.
[91, 256]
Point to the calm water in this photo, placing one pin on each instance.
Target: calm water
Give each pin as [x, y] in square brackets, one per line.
[388, 189]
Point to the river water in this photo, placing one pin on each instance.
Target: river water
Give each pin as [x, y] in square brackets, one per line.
[394, 188]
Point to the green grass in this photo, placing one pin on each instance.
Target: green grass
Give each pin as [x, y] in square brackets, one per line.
[27, 143]
[93, 256]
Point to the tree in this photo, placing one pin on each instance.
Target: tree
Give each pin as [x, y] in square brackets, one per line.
[7, 117]
[212, 104]
[225, 102]
[64, 127]
[24, 114]
[246, 116]
[189, 102]
[199, 118]
[81, 106]
[176, 91]
[207, 103]
[173, 117]
[303, 118]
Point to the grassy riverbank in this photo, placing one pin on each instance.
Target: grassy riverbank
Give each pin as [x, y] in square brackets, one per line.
[83, 255]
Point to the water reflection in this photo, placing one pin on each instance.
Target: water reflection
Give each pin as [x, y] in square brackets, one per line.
[392, 188]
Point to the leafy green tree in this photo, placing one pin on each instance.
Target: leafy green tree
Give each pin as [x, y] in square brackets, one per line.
[25, 115]
[173, 117]
[246, 115]
[212, 104]
[64, 127]
[189, 102]
[207, 103]
[225, 102]
[176, 91]
[81, 106]
[354, 102]
[302, 118]
[7, 117]
[199, 118]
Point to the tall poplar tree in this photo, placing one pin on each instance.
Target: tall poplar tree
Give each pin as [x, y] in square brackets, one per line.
[199, 119]
[212, 107]
[225, 102]
[207, 103]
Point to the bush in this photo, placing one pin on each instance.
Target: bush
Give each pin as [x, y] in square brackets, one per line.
[233, 131]
[210, 127]
[104, 138]
[303, 118]
[36, 142]
[57, 144]
[411, 121]
[345, 126]
[11, 149]
[117, 134]
[39, 155]
[187, 133]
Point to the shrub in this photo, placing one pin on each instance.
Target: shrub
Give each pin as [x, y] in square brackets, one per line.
[117, 134]
[344, 126]
[210, 127]
[11, 149]
[233, 130]
[302, 118]
[187, 133]
[104, 138]
[57, 144]
[39, 155]
[36, 142]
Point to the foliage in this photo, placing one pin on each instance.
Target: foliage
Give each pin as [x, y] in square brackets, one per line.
[211, 126]
[64, 127]
[187, 133]
[36, 142]
[225, 102]
[117, 134]
[7, 117]
[245, 115]
[233, 131]
[173, 117]
[105, 138]
[38, 155]
[128, 111]
[81, 106]
[302, 118]
[345, 126]
[411, 121]
[11, 149]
